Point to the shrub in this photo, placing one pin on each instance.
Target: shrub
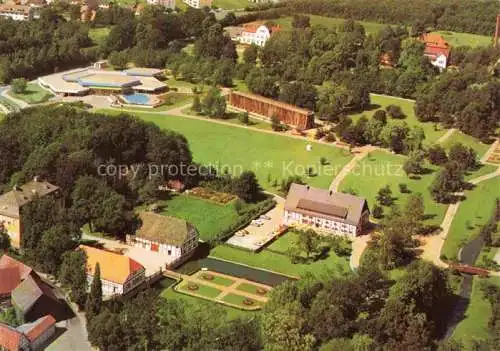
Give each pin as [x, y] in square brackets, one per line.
[330, 137]
[377, 211]
[395, 112]
[19, 85]
[403, 188]
[381, 116]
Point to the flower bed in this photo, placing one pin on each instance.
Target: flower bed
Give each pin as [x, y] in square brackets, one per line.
[212, 195]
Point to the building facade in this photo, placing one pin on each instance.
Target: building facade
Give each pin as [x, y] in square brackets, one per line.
[12, 202]
[27, 337]
[257, 33]
[326, 211]
[199, 4]
[16, 12]
[166, 235]
[169, 4]
[436, 49]
[119, 274]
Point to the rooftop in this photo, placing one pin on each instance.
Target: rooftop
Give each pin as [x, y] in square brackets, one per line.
[143, 71]
[341, 207]
[12, 273]
[272, 102]
[11, 338]
[163, 229]
[29, 291]
[35, 329]
[113, 266]
[11, 202]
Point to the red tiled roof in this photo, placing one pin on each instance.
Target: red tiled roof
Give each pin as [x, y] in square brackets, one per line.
[9, 280]
[10, 338]
[435, 45]
[7, 261]
[252, 27]
[40, 327]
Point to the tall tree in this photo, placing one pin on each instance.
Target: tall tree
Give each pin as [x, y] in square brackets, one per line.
[94, 299]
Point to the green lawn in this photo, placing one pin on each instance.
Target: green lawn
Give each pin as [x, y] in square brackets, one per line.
[238, 300]
[381, 168]
[431, 135]
[174, 100]
[232, 313]
[475, 324]
[208, 217]
[218, 280]
[281, 263]
[238, 149]
[249, 288]
[203, 290]
[98, 35]
[232, 4]
[474, 212]
[459, 137]
[34, 94]
[466, 39]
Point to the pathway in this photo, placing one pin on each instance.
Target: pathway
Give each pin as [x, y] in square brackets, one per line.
[359, 245]
[491, 150]
[360, 153]
[20, 103]
[432, 245]
[445, 136]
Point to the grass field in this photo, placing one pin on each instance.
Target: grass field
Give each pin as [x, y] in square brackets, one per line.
[381, 168]
[34, 94]
[459, 137]
[98, 35]
[474, 212]
[238, 149]
[208, 217]
[382, 101]
[216, 279]
[280, 262]
[232, 4]
[475, 324]
[454, 38]
[250, 288]
[203, 290]
[239, 300]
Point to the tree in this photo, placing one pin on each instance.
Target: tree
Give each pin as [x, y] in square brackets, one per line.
[118, 59]
[4, 239]
[106, 331]
[377, 211]
[276, 124]
[223, 74]
[73, 275]
[414, 163]
[301, 21]
[94, 298]
[244, 118]
[393, 135]
[414, 212]
[196, 107]
[384, 196]
[450, 179]
[251, 54]
[214, 104]
[380, 115]
[19, 85]
[54, 243]
[437, 155]
[246, 187]
[464, 156]
[395, 112]
[307, 241]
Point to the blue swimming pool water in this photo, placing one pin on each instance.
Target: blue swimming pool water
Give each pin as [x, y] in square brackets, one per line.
[137, 99]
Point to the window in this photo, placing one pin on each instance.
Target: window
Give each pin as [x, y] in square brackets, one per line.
[169, 252]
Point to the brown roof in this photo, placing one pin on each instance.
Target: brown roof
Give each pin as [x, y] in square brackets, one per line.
[25, 296]
[273, 102]
[35, 329]
[10, 338]
[163, 229]
[11, 202]
[12, 273]
[316, 202]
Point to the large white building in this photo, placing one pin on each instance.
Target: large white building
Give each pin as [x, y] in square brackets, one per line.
[119, 274]
[199, 4]
[170, 236]
[257, 33]
[169, 4]
[16, 12]
[326, 211]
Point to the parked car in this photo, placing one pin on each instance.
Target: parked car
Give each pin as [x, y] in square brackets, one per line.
[265, 217]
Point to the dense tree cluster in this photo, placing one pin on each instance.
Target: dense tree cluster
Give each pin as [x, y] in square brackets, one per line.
[31, 48]
[478, 17]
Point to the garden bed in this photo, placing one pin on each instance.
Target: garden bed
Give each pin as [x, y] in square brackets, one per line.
[212, 195]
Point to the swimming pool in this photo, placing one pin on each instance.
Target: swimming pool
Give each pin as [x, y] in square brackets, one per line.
[137, 99]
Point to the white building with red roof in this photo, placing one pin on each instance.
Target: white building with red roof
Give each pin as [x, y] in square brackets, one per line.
[257, 33]
[436, 49]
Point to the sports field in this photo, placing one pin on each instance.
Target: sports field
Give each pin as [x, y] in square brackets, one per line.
[382, 101]
[472, 213]
[272, 157]
[381, 168]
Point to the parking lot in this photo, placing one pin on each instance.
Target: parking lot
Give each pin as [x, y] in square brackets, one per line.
[255, 237]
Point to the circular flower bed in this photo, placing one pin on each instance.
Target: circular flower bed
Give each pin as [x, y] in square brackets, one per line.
[261, 291]
[248, 302]
[208, 276]
[192, 286]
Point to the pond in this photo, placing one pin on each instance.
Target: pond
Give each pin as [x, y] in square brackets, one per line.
[234, 269]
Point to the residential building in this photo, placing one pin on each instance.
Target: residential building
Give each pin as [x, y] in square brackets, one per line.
[119, 274]
[27, 337]
[171, 236]
[257, 33]
[436, 49]
[12, 273]
[326, 211]
[169, 4]
[12, 202]
[17, 12]
[199, 4]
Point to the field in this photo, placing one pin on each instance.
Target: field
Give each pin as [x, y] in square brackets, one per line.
[271, 157]
[203, 290]
[34, 94]
[232, 4]
[98, 35]
[475, 324]
[454, 38]
[382, 101]
[279, 262]
[381, 168]
[474, 212]
[459, 137]
[209, 218]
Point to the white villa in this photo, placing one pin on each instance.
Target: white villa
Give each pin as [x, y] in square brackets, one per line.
[257, 33]
[199, 4]
[166, 235]
[326, 211]
[169, 4]
[119, 274]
